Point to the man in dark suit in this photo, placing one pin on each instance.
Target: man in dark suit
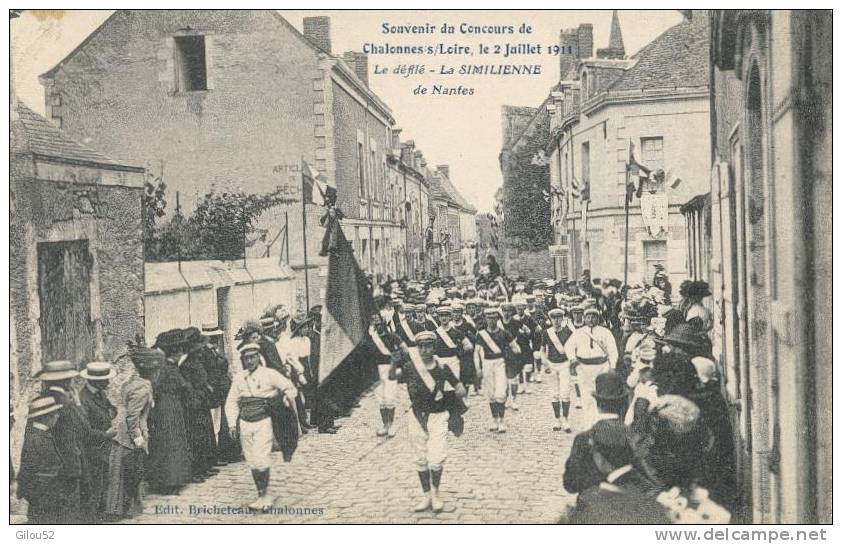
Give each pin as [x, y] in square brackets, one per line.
[99, 412]
[581, 471]
[624, 495]
[45, 480]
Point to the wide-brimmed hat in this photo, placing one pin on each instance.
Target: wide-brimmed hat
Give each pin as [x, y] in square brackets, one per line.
[98, 371]
[211, 329]
[145, 358]
[54, 371]
[170, 338]
[43, 405]
[609, 386]
[683, 335]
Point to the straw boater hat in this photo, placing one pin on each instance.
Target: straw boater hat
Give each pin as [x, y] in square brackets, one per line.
[425, 336]
[556, 312]
[43, 405]
[210, 329]
[247, 349]
[98, 371]
[54, 371]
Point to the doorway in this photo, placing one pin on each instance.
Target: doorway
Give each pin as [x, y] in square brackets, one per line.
[64, 292]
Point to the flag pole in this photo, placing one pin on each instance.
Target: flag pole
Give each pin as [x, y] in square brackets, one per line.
[626, 250]
[304, 234]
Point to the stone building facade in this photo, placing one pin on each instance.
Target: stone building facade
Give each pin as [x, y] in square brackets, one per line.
[75, 250]
[656, 101]
[770, 253]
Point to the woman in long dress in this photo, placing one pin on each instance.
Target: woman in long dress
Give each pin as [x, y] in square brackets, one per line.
[169, 454]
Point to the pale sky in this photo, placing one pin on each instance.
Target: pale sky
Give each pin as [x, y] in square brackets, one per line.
[462, 131]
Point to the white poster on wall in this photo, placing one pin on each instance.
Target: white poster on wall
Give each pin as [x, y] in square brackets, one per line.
[654, 209]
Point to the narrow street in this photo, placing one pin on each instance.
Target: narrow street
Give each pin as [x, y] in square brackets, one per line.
[354, 476]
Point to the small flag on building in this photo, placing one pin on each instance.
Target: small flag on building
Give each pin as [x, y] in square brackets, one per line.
[345, 370]
[316, 188]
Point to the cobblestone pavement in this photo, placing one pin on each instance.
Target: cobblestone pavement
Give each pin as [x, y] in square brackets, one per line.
[356, 477]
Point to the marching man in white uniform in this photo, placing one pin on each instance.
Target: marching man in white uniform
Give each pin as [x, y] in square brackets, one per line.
[250, 402]
[559, 366]
[494, 345]
[592, 350]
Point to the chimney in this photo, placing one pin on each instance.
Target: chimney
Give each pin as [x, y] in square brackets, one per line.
[359, 63]
[444, 169]
[396, 138]
[568, 40]
[317, 31]
[585, 38]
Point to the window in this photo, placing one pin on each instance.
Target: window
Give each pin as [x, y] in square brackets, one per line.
[190, 67]
[361, 163]
[584, 86]
[654, 252]
[652, 150]
[585, 184]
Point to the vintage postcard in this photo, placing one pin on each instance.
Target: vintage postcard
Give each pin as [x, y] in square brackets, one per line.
[421, 266]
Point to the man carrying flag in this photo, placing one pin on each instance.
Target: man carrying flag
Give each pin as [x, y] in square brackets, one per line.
[345, 370]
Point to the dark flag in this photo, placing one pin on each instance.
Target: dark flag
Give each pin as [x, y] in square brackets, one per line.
[345, 369]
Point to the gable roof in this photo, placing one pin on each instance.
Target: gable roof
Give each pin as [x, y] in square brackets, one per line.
[676, 58]
[277, 16]
[442, 187]
[41, 138]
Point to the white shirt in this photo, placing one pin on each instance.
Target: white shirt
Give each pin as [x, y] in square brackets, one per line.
[263, 383]
[290, 349]
[591, 342]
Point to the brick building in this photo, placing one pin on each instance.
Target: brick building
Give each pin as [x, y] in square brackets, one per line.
[656, 100]
[75, 250]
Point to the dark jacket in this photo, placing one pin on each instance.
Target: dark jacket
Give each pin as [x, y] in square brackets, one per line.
[48, 483]
[580, 471]
[629, 499]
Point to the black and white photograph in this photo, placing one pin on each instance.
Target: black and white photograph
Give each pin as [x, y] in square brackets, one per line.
[422, 266]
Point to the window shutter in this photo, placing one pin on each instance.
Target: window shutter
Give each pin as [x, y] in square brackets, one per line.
[166, 57]
[209, 71]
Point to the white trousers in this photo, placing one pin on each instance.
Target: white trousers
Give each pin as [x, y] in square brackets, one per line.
[216, 417]
[386, 390]
[562, 385]
[587, 378]
[429, 448]
[495, 384]
[256, 441]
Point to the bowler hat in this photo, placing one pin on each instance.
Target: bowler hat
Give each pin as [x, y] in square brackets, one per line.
[98, 371]
[42, 405]
[609, 386]
[54, 371]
